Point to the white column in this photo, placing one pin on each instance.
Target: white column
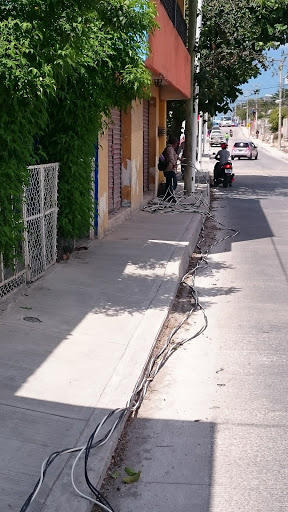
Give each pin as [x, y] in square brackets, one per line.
[280, 104]
[200, 142]
[196, 92]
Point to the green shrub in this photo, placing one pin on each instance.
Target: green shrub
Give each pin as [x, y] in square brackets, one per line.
[63, 65]
[274, 118]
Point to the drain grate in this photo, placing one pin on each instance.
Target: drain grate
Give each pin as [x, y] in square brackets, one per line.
[31, 319]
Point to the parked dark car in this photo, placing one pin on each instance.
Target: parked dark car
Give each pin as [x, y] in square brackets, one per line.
[245, 149]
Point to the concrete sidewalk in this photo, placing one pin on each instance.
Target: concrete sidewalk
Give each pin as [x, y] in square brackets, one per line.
[96, 318]
[272, 150]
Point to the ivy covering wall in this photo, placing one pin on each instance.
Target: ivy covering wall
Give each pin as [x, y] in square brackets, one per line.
[63, 65]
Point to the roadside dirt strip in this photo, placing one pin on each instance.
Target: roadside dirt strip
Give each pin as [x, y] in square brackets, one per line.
[113, 484]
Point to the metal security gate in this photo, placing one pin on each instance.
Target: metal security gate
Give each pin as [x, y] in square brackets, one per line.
[10, 279]
[40, 218]
[40, 234]
[114, 162]
[145, 146]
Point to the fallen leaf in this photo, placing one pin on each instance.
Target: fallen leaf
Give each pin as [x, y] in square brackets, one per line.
[130, 471]
[115, 475]
[24, 307]
[133, 478]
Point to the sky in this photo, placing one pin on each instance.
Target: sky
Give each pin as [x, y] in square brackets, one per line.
[268, 81]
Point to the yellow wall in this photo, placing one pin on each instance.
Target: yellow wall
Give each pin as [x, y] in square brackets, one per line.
[126, 125]
[154, 122]
[137, 154]
[181, 4]
[162, 135]
[153, 141]
[132, 156]
[103, 185]
[132, 160]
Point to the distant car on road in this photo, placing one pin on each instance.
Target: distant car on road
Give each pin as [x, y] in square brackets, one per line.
[216, 137]
[245, 149]
[215, 130]
[226, 121]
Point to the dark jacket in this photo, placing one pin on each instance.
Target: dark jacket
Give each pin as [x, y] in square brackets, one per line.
[171, 158]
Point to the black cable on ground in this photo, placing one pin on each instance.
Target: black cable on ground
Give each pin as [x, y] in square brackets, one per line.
[88, 448]
[155, 365]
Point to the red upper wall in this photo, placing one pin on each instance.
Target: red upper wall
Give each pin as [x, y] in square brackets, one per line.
[169, 56]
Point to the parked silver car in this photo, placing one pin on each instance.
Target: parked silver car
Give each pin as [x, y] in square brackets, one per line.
[246, 149]
[216, 137]
[216, 129]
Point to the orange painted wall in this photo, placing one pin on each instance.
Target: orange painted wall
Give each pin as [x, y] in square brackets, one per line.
[169, 56]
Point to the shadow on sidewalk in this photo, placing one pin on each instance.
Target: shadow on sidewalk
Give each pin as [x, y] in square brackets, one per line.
[176, 462]
[55, 371]
[28, 437]
[246, 212]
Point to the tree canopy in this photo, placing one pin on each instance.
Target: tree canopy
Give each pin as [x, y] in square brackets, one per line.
[232, 46]
[63, 65]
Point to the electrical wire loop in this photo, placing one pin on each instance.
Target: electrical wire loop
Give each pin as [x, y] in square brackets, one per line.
[155, 364]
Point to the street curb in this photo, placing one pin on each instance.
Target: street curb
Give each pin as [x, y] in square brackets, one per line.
[272, 150]
[61, 495]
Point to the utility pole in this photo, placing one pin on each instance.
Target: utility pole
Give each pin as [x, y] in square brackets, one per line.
[194, 29]
[195, 127]
[205, 128]
[247, 111]
[280, 102]
[247, 94]
[256, 113]
[200, 142]
[190, 102]
[281, 65]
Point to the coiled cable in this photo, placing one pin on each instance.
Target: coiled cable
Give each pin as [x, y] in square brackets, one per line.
[156, 363]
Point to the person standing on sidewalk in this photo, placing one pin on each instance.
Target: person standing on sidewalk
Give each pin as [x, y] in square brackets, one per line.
[170, 171]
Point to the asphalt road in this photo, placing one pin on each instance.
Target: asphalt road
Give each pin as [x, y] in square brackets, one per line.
[211, 435]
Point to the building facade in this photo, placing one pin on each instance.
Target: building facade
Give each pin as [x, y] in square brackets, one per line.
[126, 173]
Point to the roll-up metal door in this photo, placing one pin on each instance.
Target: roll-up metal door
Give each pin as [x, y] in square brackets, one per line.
[145, 145]
[114, 161]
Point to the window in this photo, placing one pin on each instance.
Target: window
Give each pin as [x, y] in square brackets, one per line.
[241, 145]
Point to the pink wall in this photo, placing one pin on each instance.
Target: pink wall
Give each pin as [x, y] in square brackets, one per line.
[169, 56]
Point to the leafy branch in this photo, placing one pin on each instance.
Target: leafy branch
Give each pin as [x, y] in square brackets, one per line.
[63, 65]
